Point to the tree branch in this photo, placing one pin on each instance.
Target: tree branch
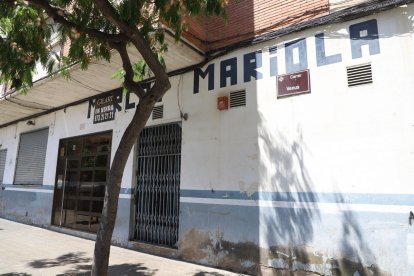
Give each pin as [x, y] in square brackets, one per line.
[129, 82]
[55, 14]
[142, 46]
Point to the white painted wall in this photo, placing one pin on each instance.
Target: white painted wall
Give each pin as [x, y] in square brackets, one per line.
[350, 139]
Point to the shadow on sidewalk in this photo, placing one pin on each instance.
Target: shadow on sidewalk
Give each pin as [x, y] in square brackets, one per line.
[78, 264]
[205, 273]
[66, 259]
[114, 270]
[15, 274]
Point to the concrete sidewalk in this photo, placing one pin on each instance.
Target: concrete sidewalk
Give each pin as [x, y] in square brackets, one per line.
[28, 250]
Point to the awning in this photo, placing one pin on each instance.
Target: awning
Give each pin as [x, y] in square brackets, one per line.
[53, 92]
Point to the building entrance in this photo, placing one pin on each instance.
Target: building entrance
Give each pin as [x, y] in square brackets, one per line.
[81, 174]
[158, 185]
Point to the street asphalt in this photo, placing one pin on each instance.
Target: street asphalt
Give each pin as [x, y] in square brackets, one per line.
[27, 250]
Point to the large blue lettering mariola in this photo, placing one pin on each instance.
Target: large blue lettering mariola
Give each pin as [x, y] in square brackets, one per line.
[360, 34]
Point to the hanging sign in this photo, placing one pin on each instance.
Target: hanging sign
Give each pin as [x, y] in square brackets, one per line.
[292, 84]
[104, 109]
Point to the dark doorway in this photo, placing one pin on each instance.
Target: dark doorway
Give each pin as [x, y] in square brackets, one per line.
[158, 185]
[82, 170]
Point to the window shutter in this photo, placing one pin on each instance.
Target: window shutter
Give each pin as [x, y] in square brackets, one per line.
[3, 154]
[31, 157]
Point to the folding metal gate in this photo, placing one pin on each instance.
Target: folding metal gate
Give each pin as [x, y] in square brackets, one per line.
[158, 185]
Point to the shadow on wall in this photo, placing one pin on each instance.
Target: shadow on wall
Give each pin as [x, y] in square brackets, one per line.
[290, 208]
[287, 232]
[358, 259]
[291, 221]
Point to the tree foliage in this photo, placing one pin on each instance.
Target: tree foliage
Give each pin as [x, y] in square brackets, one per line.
[27, 30]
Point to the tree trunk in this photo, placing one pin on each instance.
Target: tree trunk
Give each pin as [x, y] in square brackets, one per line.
[110, 207]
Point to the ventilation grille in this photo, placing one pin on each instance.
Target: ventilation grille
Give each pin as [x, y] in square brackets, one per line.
[238, 98]
[158, 112]
[359, 75]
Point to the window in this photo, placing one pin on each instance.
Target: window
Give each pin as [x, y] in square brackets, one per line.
[31, 158]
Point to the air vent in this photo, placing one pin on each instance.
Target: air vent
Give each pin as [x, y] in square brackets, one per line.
[158, 112]
[238, 98]
[359, 75]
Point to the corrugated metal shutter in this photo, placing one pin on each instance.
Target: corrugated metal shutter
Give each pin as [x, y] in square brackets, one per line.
[31, 157]
[3, 154]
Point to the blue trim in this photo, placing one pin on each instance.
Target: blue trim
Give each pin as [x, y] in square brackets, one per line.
[127, 191]
[349, 198]
[123, 191]
[40, 187]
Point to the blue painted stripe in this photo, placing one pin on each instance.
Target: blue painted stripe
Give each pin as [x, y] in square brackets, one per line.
[123, 191]
[349, 198]
[40, 187]
[127, 191]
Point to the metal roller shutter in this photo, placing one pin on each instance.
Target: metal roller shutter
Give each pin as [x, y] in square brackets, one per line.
[31, 157]
[3, 154]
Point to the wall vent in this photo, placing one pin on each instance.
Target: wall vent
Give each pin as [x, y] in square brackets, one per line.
[237, 98]
[158, 112]
[359, 75]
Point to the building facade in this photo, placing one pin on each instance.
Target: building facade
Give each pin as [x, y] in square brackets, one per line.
[289, 151]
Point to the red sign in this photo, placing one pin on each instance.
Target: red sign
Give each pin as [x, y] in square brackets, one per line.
[294, 83]
[222, 103]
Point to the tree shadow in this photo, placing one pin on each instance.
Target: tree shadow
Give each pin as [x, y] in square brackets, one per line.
[66, 259]
[114, 270]
[206, 273]
[293, 229]
[130, 269]
[287, 221]
[81, 265]
[15, 274]
[358, 258]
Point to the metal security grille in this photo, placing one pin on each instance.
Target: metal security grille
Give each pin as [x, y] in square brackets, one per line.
[31, 157]
[3, 154]
[158, 185]
[359, 75]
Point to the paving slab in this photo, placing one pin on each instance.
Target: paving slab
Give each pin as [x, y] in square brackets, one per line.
[28, 250]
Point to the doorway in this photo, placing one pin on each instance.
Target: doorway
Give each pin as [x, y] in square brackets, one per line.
[158, 185]
[81, 175]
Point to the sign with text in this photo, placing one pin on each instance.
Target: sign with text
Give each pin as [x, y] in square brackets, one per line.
[293, 84]
[104, 109]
